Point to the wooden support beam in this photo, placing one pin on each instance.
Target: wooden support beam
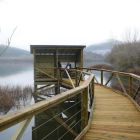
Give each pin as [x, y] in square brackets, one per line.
[94, 77]
[70, 78]
[136, 92]
[121, 83]
[43, 87]
[89, 96]
[41, 97]
[45, 73]
[58, 73]
[21, 129]
[84, 106]
[66, 112]
[93, 88]
[83, 76]
[81, 58]
[44, 83]
[101, 77]
[46, 89]
[34, 59]
[79, 79]
[76, 78]
[60, 121]
[72, 123]
[130, 85]
[109, 79]
[35, 89]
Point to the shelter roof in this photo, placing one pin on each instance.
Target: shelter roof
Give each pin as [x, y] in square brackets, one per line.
[71, 48]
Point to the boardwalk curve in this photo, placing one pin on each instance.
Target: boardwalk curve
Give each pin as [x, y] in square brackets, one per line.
[115, 117]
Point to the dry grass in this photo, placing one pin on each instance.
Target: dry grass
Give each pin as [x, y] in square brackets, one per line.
[102, 66]
[126, 86]
[135, 71]
[14, 96]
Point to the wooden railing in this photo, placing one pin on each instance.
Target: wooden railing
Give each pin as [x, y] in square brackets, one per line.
[86, 94]
[82, 95]
[127, 84]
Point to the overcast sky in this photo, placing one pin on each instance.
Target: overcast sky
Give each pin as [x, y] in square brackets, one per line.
[80, 22]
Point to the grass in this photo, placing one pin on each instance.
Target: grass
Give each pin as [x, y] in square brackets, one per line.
[102, 66]
[116, 86]
[132, 70]
[109, 67]
[14, 96]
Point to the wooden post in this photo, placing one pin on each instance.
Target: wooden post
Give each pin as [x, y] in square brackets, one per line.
[76, 78]
[101, 77]
[58, 73]
[121, 84]
[70, 78]
[35, 89]
[92, 88]
[34, 59]
[58, 77]
[130, 85]
[109, 79]
[21, 129]
[84, 106]
[81, 58]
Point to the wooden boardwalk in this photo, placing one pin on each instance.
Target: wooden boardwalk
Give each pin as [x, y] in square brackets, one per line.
[114, 117]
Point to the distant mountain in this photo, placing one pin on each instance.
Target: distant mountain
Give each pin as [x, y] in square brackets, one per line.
[101, 47]
[90, 56]
[13, 52]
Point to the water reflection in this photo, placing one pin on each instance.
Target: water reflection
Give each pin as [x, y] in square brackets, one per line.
[7, 69]
[95, 62]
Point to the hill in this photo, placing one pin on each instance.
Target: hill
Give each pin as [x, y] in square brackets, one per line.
[13, 52]
[90, 56]
[101, 48]
[19, 55]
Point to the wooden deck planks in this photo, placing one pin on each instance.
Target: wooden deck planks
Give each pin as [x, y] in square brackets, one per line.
[114, 117]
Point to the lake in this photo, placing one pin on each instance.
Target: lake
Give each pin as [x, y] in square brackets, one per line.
[22, 74]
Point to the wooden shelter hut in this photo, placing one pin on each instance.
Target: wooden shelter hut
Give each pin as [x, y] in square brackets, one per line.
[46, 59]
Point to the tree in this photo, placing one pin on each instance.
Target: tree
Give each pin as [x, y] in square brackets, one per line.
[127, 54]
[8, 42]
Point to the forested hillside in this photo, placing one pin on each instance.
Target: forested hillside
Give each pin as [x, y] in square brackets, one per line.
[90, 56]
[124, 56]
[17, 55]
[100, 46]
[13, 52]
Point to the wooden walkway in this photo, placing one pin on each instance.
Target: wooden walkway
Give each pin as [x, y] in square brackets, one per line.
[114, 117]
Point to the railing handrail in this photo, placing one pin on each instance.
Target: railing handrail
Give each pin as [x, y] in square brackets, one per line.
[111, 71]
[130, 75]
[15, 117]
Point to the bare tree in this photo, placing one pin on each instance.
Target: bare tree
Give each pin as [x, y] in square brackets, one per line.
[131, 36]
[127, 54]
[8, 42]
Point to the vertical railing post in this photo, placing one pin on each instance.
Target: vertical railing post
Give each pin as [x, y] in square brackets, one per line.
[58, 77]
[92, 88]
[76, 78]
[57, 74]
[34, 58]
[130, 85]
[101, 77]
[84, 106]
